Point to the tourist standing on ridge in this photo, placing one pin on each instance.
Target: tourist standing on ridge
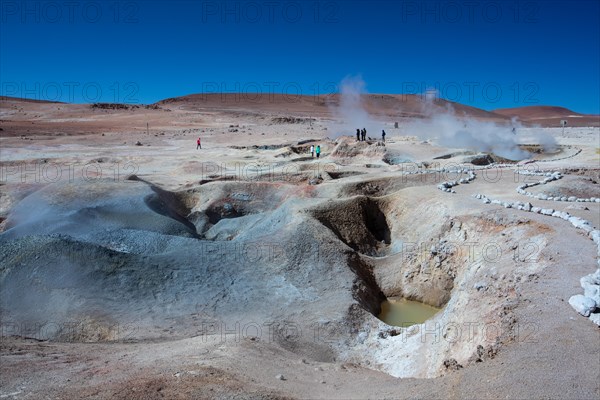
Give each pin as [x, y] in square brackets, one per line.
[312, 150]
[318, 150]
[198, 145]
[383, 135]
[358, 135]
[363, 133]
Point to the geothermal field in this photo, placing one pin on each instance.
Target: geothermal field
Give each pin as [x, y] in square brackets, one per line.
[457, 258]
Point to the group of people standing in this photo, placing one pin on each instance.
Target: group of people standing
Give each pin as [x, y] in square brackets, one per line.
[361, 135]
[315, 150]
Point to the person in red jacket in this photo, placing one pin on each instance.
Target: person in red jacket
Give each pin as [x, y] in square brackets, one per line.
[198, 145]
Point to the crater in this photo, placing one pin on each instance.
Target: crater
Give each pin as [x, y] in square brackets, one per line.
[360, 223]
[383, 187]
[343, 174]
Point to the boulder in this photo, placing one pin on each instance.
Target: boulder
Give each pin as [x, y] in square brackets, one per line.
[592, 292]
[583, 305]
[588, 280]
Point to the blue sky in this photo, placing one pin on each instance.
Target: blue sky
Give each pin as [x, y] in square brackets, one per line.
[488, 54]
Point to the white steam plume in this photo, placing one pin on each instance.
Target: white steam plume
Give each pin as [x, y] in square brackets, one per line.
[449, 130]
[351, 113]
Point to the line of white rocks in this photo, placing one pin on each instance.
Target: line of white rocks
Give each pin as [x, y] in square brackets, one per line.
[549, 177]
[447, 186]
[587, 304]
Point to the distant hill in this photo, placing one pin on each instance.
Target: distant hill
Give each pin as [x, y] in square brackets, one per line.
[397, 105]
[549, 116]
[24, 100]
[389, 106]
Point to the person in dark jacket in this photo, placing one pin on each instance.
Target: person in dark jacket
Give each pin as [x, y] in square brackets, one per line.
[383, 135]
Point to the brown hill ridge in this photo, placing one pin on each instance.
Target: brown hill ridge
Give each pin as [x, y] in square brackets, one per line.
[549, 116]
[383, 105]
[68, 117]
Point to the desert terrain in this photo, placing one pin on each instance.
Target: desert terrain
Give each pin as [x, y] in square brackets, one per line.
[134, 265]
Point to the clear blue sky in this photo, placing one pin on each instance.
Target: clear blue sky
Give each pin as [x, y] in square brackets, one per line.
[489, 54]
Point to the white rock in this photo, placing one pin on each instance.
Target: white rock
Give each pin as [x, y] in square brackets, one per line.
[578, 222]
[594, 278]
[595, 318]
[547, 211]
[593, 292]
[536, 210]
[582, 304]
[587, 228]
[587, 281]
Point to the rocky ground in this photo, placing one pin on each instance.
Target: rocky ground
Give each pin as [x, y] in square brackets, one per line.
[134, 265]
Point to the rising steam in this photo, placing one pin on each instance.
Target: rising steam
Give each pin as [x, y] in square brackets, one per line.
[441, 124]
[450, 130]
[351, 112]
